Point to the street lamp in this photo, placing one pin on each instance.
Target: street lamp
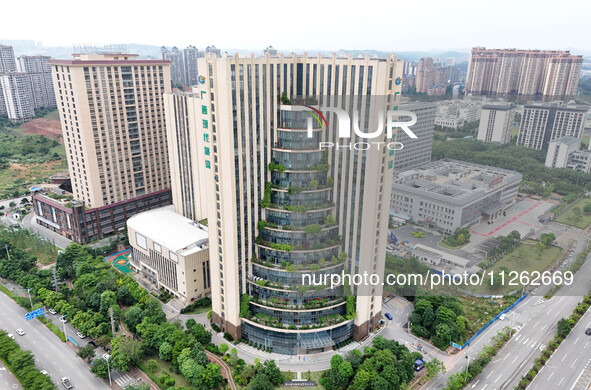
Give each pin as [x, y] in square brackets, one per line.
[108, 368]
[467, 363]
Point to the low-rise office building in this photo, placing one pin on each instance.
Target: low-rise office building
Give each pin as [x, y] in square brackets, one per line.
[448, 194]
[171, 251]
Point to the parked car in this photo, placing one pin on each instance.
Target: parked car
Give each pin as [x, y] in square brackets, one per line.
[44, 372]
[502, 317]
[11, 336]
[81, 335]
[52, 311]
[588, 332]
[20, 332]
[106, 356]
[93, 344]
[63, 319]
[388, 316]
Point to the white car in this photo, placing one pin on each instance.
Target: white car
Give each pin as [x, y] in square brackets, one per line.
[52, 311]
[44, 372]
[20, 332]
[81, 335]
[63, 319]
[11, 336]
[502, 317]
[106, 356]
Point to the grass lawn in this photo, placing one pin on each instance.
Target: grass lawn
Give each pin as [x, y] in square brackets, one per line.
[576, 218]
[163, 368]
[524, 257]
[199, 310]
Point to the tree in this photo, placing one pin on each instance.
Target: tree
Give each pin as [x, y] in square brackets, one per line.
[433, 368]
[355, 357]
[333, 380]
[165, 351]
[12, 205]
[336, 361]
[587, 208]
[223, 348]
[152, 365]
[272, 372]
[139, 386]
[99, 368]
[346, 370]
[86, 352]
[133, 316]
[547, 238]
[126, 352]
[260, 382]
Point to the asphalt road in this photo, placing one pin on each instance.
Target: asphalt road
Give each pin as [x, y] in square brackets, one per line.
[50, 353]
[51, 236]
[570, 364]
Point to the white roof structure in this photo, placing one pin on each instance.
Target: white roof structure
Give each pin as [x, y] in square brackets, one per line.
[171, 230]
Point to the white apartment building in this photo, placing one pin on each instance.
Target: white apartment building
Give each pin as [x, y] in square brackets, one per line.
[17, 96]
[545, 122]
[39, 72]
[496, 120]
[560, 150]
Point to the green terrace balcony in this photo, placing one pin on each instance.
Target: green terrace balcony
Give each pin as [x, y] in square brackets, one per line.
[278, 303]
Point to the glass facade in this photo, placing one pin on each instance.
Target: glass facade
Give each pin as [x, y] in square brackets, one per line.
[298, 236]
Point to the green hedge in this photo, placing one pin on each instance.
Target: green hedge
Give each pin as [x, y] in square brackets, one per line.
[58, 332]
[142, 367]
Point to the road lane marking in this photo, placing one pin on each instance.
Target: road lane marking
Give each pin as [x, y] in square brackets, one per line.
[574, 362]
[577, 340]
[514, 360]
[474, 385]
[560, 381]
[506, 356]
[564, 357]
[550, 376]
[490, 374]
[498, 378]
[484, 387]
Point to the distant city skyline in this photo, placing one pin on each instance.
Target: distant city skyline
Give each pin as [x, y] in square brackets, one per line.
[310, 25]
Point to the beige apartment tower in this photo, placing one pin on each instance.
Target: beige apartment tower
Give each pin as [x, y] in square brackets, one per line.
[113, 124]
[551, 73]
[242, 125]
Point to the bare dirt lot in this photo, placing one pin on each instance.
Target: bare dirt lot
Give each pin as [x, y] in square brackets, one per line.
[49, 128]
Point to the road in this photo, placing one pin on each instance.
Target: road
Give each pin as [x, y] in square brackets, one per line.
[50, 352]
[570, 365]
[51, 236]
[535, 322]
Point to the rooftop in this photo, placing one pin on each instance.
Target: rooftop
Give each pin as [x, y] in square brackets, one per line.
[454, 181]
[567, 140]
[171, 230]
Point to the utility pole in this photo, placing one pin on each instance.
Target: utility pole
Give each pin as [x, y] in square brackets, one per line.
[55, 279]
[112, 321]
[467, 363]
[30, 300]
[7, 252]
[64, 324]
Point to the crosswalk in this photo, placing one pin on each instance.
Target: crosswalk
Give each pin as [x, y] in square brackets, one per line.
[584, 380]
[123, 380]
[527, 341]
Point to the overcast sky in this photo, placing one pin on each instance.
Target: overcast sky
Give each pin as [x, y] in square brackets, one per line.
[409, 25]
